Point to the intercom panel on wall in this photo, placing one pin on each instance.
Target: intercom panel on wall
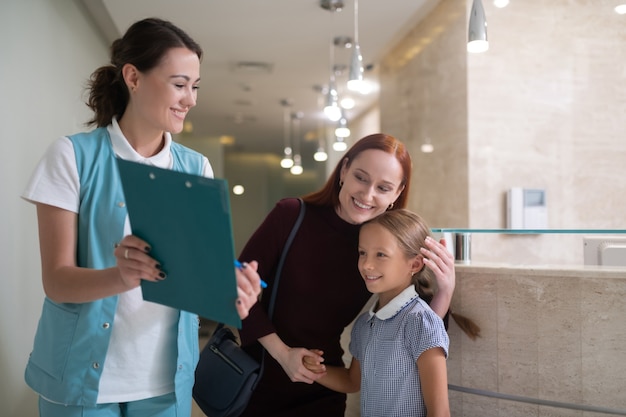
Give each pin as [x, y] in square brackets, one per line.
[526, 208]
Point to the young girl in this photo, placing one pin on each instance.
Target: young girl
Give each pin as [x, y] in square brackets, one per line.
[400, 346]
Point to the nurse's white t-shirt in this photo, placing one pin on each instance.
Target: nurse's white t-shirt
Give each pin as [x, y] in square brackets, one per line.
[144, 335]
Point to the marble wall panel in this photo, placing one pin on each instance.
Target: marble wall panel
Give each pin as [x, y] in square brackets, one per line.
[547, 334]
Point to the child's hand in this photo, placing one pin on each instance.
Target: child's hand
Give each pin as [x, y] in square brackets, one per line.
[313, 364]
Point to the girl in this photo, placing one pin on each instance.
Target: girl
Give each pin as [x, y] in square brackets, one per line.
[400, 346]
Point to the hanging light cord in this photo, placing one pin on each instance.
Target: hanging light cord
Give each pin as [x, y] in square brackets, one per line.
[332, 62]
[356, 22]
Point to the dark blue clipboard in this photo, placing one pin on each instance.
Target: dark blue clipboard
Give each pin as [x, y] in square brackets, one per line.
[186, 219]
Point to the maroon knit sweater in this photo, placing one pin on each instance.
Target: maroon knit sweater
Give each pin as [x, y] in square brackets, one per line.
[319, 294]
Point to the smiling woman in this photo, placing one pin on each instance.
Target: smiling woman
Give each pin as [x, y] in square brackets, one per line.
[321, 290]
[93, 266]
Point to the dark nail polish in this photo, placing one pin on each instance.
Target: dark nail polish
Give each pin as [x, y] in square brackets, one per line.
[162, 275]
[158, 266]
[239, 302]
[147, 249]
[244, 265]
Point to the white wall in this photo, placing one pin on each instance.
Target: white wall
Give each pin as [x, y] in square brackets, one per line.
[48, 51]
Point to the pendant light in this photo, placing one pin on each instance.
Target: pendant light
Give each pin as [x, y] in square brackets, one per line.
[340, 145]
[287, 161]
[477, 30]
[320, 154]
[296, 169]
[342, 130]
[355, 77]
[332, 109]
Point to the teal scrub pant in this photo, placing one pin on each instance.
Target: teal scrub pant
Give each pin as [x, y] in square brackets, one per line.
[163, 406]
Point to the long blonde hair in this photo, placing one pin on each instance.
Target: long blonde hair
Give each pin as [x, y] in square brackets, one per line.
[411, 231]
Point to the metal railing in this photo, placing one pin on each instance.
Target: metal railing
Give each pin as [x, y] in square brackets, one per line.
[537, 401]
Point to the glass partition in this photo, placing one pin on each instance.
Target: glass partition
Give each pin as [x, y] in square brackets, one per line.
[586, 248]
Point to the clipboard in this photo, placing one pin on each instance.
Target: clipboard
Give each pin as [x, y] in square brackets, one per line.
[186, 219]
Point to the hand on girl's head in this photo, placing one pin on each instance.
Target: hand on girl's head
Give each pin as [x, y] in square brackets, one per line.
[439, 259]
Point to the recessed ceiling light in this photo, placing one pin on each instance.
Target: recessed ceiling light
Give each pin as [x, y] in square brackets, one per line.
[620, 9]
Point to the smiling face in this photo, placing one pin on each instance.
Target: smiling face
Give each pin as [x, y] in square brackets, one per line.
[371, 183]
[162, 96]
[384, 265]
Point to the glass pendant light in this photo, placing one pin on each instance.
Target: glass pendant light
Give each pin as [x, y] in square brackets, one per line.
[355, 77]
[340, 145]
[477, 30]
[296, 168]
[332, 109]
[287, 161]
[342, 130]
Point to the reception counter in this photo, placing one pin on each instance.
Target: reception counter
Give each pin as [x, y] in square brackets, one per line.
[553, 341]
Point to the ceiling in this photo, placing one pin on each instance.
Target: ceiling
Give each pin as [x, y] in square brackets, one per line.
[259, 53]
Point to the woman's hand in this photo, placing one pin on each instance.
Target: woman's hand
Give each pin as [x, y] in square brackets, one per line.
[65, 282]
[441, 262]
[135, 263]
[292, 359]
[248, 287]
[293, 364]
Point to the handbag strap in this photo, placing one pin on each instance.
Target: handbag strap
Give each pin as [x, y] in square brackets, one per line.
[279, 268]
[283, 255]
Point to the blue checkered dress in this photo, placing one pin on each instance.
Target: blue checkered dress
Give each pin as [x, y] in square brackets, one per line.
[387, 344]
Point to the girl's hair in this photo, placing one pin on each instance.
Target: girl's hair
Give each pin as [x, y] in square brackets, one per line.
[411, 230]
[143, 45]
[329, 194]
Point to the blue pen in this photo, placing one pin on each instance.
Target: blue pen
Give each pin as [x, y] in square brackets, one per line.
[238, 265]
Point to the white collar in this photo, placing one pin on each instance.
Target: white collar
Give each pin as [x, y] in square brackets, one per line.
[122, 148]
[396, 304]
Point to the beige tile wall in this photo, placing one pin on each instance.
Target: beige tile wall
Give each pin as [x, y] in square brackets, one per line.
[543, 108]
[548, 334]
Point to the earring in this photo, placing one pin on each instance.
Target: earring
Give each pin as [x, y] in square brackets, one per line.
[340, 183]
[390, 206]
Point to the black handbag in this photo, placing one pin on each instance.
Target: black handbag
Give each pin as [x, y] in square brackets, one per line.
[226, 375]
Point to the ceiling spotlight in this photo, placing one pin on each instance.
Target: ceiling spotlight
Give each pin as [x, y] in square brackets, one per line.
[347, 103]
[320, 155]
[620, 9]
[339, 145]
[238, 189]
[287, 161]
[296, 169]
[342, 130]
[427, 146]
[500, 3]
[477, 30]
[355, 77]
[332, 110]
